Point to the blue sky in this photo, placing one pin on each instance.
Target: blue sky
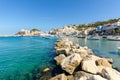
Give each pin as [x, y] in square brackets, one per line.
[47, 14]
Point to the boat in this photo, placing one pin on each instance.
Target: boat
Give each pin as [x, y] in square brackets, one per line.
[93, 37]
[104, 36]
[113, 38]
[80, 36]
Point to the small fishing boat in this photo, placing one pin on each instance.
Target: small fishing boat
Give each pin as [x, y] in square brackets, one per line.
[113, 38]
[81, 36]
[104, 36]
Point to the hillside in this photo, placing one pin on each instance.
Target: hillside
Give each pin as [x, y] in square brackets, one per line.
[95, 24]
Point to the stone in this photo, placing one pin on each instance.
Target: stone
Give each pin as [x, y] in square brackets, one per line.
[59, 77]
[89, 66]
[110, 74]
[97, 77]
[70, 77]
[103, 62]
[59, 58]
[64, 51]
[110, 60]
[89, 51]
[70, 63]
[117, 68]
[46, 69]
[82, 53]
[81, 75]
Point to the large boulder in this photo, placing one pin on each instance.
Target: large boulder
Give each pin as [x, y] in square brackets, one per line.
[70, 63]
[59, 58]
[103, 62]
[89, 66]
[59, 77]
[81, 75]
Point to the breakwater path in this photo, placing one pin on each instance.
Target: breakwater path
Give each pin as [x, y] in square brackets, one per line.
[80, 63]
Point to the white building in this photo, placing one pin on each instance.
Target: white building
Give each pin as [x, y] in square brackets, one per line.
[118, 23]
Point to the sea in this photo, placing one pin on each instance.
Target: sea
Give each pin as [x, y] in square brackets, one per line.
[21, 57]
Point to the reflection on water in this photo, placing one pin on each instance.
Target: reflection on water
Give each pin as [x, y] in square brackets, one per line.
[101, 47]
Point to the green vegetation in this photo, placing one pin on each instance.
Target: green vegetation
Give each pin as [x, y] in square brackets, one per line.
[33, 30]
[93, 25]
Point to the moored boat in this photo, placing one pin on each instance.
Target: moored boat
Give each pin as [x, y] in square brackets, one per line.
[81, 36]
[113, 38]
[93, 37]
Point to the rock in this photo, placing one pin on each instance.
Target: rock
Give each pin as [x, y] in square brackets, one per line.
[89, 51]
[64, 43]
[46, 69]
[64, 51]
[70, 63]
[110, 74]
[110, 60]
[81, 75]
[93, 57]
[77, 46]
[103, 62]
[117, 68]
[97, 77]
[70, 77]
[88, 64]
[59, 77]
[82, 53]
[59, 58]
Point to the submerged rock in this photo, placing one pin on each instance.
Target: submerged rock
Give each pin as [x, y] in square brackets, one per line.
[70, 63]
[46, 69]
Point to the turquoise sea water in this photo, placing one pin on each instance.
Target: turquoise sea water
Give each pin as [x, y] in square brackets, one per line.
[102, 47]
[20, 55]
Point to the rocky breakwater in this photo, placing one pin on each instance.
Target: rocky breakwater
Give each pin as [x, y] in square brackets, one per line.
[80, 63]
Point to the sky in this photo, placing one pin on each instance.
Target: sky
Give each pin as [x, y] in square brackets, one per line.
[47, 14]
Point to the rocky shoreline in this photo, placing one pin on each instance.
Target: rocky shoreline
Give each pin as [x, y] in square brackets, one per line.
[74, 62]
